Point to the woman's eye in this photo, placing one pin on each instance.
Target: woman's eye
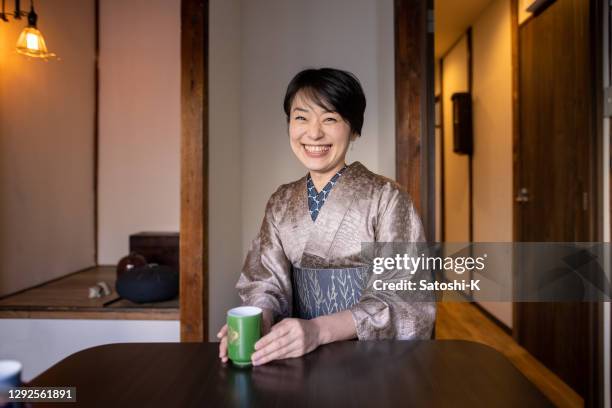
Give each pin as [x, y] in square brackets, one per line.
[300, 118]
[330, 120]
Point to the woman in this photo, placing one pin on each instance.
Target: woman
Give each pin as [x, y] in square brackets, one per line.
[306, 268]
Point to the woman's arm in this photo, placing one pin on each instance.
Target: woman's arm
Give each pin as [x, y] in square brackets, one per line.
[296, 337]
[390, 314]
[265, 280]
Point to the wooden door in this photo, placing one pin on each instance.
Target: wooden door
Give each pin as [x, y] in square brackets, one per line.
[554, 163]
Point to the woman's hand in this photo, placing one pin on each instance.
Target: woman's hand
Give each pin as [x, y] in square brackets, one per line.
[289, 338]
[266, 322]
[296, 337]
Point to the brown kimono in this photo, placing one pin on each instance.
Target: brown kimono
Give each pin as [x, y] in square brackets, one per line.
[362, 207]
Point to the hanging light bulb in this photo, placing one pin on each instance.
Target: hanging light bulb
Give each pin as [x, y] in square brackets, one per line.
[31, 41]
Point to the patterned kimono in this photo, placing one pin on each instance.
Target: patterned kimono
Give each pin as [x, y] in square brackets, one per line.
[362, 207]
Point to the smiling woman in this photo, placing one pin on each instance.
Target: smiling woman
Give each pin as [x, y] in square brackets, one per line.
[305, 269]
[324, 109]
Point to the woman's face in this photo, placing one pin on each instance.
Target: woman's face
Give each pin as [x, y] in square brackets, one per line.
[319, 138]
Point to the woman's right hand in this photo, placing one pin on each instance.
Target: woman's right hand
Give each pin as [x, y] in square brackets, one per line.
[266, 323]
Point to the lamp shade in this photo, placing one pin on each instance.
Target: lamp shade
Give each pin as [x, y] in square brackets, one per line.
[32, 43]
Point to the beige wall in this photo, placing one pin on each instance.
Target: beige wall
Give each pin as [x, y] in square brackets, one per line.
[456, 185]
[385, 65]
[46, 148]
[492, 160]
[225, 183]
[139, 121]
[492, 105]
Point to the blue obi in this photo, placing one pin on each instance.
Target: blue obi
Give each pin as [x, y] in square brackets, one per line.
[318, 292]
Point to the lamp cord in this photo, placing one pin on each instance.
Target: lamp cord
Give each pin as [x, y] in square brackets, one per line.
[3, 13]
[17, 13]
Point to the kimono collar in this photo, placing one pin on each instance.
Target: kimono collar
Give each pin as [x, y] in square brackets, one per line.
[316, 199]
[323, 231]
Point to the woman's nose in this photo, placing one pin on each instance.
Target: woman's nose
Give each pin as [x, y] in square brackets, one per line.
[314, 131]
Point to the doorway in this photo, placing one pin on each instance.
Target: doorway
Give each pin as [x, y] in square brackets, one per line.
[532, 175]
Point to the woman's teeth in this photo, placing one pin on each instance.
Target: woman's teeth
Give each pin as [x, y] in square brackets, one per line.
[317, 148]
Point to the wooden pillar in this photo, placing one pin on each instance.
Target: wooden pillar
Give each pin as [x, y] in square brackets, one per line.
[194, 171]
[414, 105]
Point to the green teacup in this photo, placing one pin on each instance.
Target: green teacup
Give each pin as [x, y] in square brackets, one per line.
[243, 331]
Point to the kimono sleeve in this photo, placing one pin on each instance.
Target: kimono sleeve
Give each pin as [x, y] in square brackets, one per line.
[265, 280]
[396, 314]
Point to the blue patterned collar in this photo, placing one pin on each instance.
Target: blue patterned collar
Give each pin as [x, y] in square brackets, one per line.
[317, 199]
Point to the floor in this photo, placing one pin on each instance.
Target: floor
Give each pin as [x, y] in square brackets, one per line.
[462, 320]
[67, 298]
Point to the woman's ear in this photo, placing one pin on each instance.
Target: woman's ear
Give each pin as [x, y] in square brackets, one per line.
[353, 137]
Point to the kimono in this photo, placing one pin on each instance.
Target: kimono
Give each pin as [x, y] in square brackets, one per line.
[362, 207]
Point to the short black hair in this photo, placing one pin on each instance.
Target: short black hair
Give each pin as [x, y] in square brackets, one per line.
[332, 89]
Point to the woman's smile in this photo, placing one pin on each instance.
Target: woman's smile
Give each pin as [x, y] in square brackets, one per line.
[316, 151]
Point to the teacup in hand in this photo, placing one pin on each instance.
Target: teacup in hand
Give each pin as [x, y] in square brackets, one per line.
[243, 331]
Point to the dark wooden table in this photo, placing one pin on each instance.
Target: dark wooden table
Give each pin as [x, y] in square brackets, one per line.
[440, 373]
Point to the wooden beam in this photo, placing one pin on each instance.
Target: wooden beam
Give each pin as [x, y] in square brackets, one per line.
[470, 158]
[194, 171]
[516, 143]
[442, 197]
[599, 11]
[414, 106]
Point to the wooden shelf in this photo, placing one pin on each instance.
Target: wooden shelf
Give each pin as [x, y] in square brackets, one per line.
[67, 298]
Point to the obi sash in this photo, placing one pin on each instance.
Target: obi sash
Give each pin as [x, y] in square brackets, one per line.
[318, 292]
